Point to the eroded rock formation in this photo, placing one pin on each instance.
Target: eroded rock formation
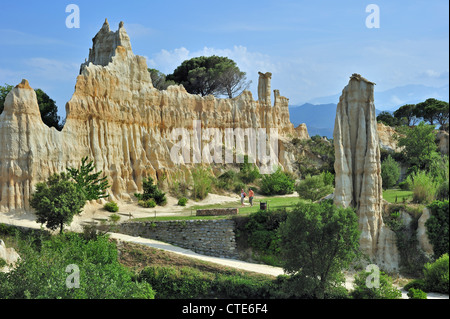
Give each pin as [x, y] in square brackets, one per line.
[118, 119]
[358, 170]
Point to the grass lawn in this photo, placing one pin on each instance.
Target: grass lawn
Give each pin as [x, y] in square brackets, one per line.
[273, 202]
[395, 193]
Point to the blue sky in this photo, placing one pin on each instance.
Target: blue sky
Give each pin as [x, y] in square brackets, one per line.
[311, 47]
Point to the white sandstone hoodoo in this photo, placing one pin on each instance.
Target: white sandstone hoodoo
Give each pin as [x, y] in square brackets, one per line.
[358, 170]
[118, 119]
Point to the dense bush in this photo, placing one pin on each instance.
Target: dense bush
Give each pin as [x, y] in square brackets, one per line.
[277, 183]
[202, 180]
[436, 275]
[191, 283]
[423, 186]
[151, 191]
[262, 234]
[385, 290]
[390, 172]
[149, 203]
[315, 187]
[437, 227]
[416, 294]
[111, 207]
[43, 272]
[182, 201]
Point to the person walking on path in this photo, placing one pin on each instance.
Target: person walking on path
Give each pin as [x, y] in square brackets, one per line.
[250, 196]
[242, 197]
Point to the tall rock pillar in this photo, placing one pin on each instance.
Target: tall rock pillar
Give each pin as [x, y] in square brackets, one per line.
[358, 170]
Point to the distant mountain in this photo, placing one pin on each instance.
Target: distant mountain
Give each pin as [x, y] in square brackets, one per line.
[392, 99]
[319, 119]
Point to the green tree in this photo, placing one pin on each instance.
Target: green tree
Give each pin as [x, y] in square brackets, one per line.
[57, 201]
[47, 106]
[4, 90]
[151, 192]
[390, 172]
[386, 118]
[419, 144]
[91, 184]
[407, 114]
[433, 111]
[385, 289]
[317, 242]
[277, 183]
[210, 75]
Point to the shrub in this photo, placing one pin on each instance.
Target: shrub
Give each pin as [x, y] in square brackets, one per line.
[416, 294]
[41, 273]
[423, 187]
[202, 180]
[437, 227]
[277, 183]
[442, 191]
[390, 172]
[436, 275]
[418, 284]
[111, 207]
[315, 187]
[386, 290]
[149, 203]
[182, 201]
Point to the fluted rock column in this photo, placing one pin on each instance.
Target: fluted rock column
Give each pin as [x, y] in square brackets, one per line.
[358, 169]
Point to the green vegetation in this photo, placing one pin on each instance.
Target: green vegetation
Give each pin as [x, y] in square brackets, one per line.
[151, 193]
[416, 294]
[432, 111]
[386, 290]
[57, 201]
[210, 75]
[316, 187]
[63, 196]
[49, 266]
[390, 172]
[435, 277]
[202, 182]
[437, 227]
[90, 184]
[277, 183]
[182, 201]
[396, 195]
[318, 241]
[111, 207]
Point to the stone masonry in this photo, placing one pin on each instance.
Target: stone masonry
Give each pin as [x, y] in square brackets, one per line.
[207, 237]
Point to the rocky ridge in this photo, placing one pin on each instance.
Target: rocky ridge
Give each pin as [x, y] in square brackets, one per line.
[118, 119]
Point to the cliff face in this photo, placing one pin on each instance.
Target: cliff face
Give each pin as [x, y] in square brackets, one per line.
[358, 170]
[118, 119]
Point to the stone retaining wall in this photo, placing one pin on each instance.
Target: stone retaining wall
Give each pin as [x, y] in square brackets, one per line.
[217, 211]
[207, 237]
